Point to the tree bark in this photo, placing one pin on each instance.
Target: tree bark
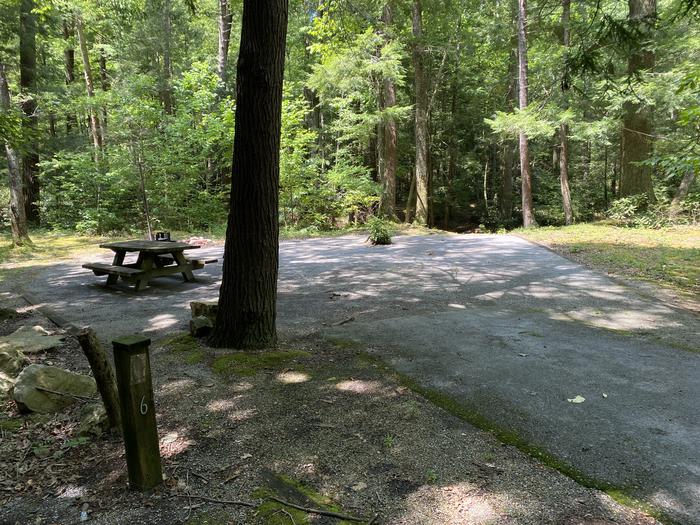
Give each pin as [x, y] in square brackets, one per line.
[69, 69]
[95, 128]
[564, 127]
[18, 217]
[247, 300]
[27, 83]
[637, 140]
[421, 125]
[225, 21]
[389, 141]
[166, 88]
[682, 191]
[103, 374]
[525, 169]
[411, 201]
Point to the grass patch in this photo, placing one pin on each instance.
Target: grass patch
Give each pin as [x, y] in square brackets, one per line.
[11, 425]
[668, 256]
[250, 363]
[509, 437]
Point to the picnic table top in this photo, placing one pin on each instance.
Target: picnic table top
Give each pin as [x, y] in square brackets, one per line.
[148, 246]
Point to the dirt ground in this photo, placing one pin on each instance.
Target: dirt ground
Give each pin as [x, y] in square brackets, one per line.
[317, 424]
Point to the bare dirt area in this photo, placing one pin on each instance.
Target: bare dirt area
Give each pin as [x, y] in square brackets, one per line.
[315, 423]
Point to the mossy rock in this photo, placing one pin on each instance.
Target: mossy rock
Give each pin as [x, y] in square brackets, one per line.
[250, 363]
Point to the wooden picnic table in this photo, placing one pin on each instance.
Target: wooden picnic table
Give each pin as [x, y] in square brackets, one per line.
[155, 259]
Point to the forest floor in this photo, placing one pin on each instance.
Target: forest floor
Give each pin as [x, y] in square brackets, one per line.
[488, 330]
[669, 257]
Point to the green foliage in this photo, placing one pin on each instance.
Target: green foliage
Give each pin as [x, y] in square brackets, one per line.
[379, 231]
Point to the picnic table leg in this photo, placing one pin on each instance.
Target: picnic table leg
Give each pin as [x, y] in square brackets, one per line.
[117, 261]
[146, 264]
[181, 261]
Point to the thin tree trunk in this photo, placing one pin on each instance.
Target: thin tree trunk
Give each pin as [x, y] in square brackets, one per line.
[389, 141]
[564, 127]
[18, 217]
[69, 69]
[136, 152]
[421, 126]
[682, 191]
[247, 300]
[410, 203]
[104, 84]
[637, 140]
[27, 83]
[606, 199]
[508, 171]
[525, 169]
[166, 89]
[225, 21]
[95, 128]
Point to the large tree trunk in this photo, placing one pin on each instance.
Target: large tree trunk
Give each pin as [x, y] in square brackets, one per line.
[95, 128]
[525, 169]
[248, 296]
[563, 127]
[389, 140]
[225, 20]
[637, 140]
[421, 109]
[18, 217]
[27, 83]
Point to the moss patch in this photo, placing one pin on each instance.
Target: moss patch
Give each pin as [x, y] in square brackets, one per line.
[185, 346]
[250, 363]
[11, 425]
[292, 490]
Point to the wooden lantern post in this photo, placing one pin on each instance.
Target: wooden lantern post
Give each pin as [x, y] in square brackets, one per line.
[133, 367]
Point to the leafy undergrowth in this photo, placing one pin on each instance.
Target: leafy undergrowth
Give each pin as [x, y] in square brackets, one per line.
[666, 256]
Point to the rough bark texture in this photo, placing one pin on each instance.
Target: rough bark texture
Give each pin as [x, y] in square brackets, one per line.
[248, 295]
[637, 140]
[421, 110]
[389, 140]
[95, 128]
[411, 202]
[225, 20]
[563, 127]
[27, 83]
[103, 374]
[18, 218]
[525, 169]
[69, 68]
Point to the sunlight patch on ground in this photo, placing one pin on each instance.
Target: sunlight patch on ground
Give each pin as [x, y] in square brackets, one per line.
[174, 443]
[458, 503]
[291, 377]
[220, 405]
[358, 386]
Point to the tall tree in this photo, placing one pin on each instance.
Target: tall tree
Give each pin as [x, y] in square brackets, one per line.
[95, 127]
[18, 217]
[166, 87]
[27, 83]
[248, 296]
[421, 111]
[564, 126]
[389, 132]
[225, 21]
[68, 66]
[637, 139]
[525, 169]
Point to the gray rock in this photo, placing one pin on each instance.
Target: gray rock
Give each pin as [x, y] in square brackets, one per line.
[6, 385]
[30, 340]
[204, 308]
[31, 392]
[200, 326]
[12, 361]
[93, 420]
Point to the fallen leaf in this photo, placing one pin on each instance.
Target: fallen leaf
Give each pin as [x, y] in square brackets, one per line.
[577, 399]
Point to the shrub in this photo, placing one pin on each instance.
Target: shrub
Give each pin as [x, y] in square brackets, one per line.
[378, 231]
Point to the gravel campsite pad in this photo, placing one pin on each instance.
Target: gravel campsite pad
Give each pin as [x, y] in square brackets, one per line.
[316, 423]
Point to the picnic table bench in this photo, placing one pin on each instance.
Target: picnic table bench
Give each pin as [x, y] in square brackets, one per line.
[155, 259]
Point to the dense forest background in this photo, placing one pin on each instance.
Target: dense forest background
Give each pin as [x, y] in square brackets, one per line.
[118, 116]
